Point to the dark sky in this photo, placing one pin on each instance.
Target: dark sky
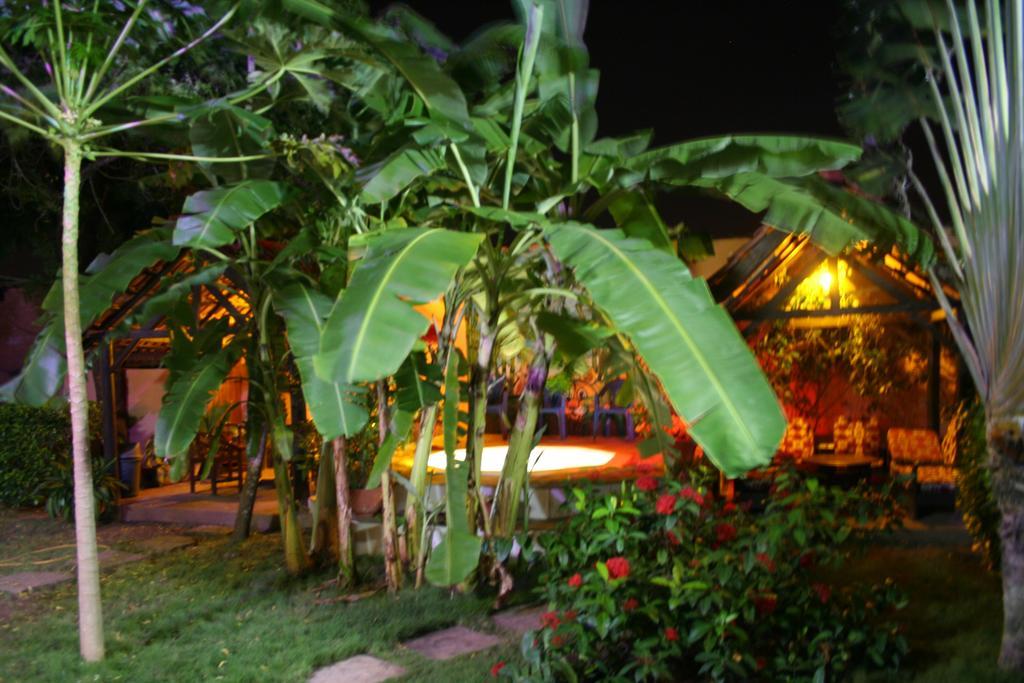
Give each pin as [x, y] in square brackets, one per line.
[690, 68]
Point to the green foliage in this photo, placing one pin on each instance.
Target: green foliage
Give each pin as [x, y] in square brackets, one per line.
[974, 496]
[658, 581]
[35, 442]
[58, 487]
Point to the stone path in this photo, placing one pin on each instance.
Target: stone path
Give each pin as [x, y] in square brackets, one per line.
[440, 645]
[26, 581]
[451, 642]
[358, 669]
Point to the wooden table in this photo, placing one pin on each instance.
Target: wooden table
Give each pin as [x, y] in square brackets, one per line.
[842, 462]
[844, 470]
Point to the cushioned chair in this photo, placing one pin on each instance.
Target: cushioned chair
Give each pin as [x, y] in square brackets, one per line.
[798, 441]
[917, 452]
[606, 409]
[856, 437]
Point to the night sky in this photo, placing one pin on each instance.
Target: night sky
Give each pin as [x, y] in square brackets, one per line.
[690, 69]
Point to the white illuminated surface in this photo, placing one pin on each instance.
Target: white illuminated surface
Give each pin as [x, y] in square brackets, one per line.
[542, 459]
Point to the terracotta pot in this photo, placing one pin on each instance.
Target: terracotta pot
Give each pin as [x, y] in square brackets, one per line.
[366, 502]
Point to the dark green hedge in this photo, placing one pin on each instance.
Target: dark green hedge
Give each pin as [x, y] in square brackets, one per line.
[33, 441]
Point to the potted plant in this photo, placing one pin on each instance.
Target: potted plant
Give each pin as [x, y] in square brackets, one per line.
[362, 450]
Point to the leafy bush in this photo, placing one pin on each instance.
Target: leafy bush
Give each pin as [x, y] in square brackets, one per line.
[974, 496]
[32, 442]
[661, 582]
[58, 488]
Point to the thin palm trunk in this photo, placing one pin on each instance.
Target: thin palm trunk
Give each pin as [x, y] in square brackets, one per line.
[90, 612]
[418, 478]
[514, 472]
[346, 565]
[247, 498]
[1006, 459]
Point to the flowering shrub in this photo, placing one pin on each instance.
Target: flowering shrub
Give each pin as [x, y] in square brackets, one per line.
[665, 582]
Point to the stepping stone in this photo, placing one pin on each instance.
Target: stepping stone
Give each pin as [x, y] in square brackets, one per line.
[358, 669]
[115, 558]
[164, 544]
[451, 642]
[26, 581]
[520, 620]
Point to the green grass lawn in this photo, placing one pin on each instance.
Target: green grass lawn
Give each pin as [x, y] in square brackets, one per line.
[218, 612]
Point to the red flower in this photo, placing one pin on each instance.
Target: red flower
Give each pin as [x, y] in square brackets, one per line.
[672, 538]
[671, 634]
[630, 604]
[496, 669]
[729, 507]
[618, 567]
[765, 604]
[725, 532]
[689, 494]
[767, 562]
[575, 581]
[550, 620]
[666, 504]
[806, 560]
[430, 336]
[570, 615]
[647, 483]
[557, 641]
[822, 591]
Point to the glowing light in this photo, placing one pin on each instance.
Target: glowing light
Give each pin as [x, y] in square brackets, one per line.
[825, 280]
[544, 458]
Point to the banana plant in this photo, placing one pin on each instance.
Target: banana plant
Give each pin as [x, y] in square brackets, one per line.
[479, 160]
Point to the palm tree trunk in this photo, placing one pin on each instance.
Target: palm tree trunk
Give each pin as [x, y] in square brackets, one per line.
[514, 471]
[90, 611]
[1006, 458]
[247, 498]
[418, 478]
[346, 564]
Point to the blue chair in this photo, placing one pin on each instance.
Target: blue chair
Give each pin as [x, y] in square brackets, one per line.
[497, 403]
[554, 404]
[607, 409]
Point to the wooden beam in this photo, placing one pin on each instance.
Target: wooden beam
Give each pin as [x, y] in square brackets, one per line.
[226, 303]
[882, 309]
[882, 281]
[774, 305]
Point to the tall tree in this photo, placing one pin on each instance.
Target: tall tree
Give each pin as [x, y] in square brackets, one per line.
[79, 106]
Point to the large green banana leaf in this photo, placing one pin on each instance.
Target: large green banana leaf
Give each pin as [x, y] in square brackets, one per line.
[833, 218]
[212, 217]
[185, 402]
[106, 277]
[373, 326]
[335, 406]
[725, 156]
[385, 180]
[688, 341]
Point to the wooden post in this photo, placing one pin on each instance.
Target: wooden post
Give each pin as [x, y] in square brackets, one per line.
[105, 395]
[934, 378]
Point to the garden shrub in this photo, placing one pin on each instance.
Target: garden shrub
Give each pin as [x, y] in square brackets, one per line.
[974, 496]
[659, 581]
[34, 441]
